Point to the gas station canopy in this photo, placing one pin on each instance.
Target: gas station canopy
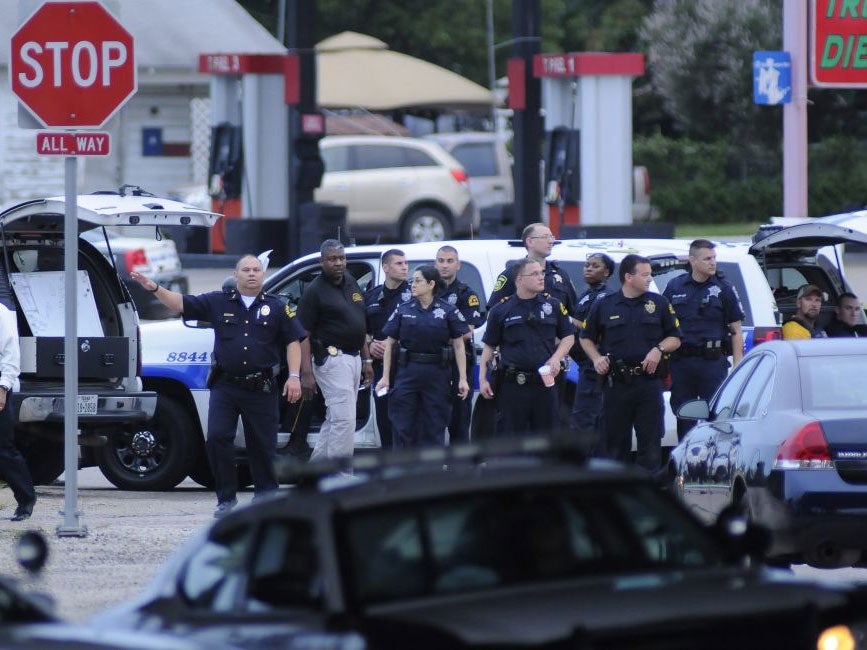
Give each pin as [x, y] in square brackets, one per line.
[354, 70]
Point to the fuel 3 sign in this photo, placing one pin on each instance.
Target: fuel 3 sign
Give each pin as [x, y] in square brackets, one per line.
[838, 43]
[72, 64]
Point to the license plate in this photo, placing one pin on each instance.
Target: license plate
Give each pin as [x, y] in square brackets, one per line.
[86, 404]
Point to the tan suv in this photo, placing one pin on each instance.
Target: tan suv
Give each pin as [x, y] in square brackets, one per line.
[403, 188]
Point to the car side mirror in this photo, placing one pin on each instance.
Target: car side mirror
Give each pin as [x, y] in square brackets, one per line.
[696, 409]
[743, 537]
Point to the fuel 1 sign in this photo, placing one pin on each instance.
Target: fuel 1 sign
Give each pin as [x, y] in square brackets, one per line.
[838, 43]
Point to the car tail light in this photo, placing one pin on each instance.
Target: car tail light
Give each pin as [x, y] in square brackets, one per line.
[134, 260]
[806, 449]
[765, 334]
[460, 176]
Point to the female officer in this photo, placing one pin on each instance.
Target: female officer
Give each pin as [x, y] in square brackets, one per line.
[425, 327]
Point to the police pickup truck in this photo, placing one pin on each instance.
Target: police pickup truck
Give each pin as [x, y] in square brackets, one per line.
[111, 401]
[177, 358]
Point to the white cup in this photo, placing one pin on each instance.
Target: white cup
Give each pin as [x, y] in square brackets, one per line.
[547, 377]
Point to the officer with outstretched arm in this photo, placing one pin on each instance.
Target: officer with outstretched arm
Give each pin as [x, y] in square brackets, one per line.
[251, 330]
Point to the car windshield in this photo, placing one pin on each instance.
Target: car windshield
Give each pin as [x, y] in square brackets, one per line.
[833, 382]
[520, 536]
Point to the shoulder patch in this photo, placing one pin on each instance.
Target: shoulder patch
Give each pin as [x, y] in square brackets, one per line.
[356, 297]
[290, 312]
[473, 300]
[563, 309]
[501, 282]
[670, 309]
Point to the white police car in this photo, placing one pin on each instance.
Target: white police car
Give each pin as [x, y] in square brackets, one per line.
[177, 358]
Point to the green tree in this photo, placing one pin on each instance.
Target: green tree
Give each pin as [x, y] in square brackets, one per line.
[700, 59]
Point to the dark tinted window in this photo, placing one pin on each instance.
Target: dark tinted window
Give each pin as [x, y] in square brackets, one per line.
[371, 156]
[757, 391]
[293, 287]
[478, 158]
[417, 158]
[519, 536]
[724, 402]
[336, 159]
[217, 570]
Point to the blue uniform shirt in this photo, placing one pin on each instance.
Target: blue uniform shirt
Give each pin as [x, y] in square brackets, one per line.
[628, 328]
[558, 284]
[585, 302]
[425, 330]
[704, 309]
[526, 329]
[246, 339]
[380, 302]
[465, 300]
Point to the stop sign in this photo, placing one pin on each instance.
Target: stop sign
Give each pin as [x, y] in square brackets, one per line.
[72, 64]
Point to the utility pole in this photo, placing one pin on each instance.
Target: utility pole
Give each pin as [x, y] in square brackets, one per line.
[298, 37]
[527, 121]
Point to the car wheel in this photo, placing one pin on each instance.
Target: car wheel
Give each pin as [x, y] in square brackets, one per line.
[154, 456]
[44, 459]
[426, 224]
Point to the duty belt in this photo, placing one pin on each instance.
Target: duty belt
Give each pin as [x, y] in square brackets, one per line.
[424, 357]
[707, 352]
[522, 377]
[255, 381]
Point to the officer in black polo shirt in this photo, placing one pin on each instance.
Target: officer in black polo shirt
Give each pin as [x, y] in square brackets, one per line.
[534, 333]
[251, 330]
[332, 312]
[626, 335]
[465, 300]
[380, 303]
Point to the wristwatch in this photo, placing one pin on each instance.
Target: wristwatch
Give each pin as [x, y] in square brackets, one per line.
[154, 290]
[659, 347]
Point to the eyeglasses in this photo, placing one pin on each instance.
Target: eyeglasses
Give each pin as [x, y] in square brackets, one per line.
[534, 274]
[548, 238]
[418, 281]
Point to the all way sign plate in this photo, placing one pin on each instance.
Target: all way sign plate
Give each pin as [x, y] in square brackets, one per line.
[91, 143]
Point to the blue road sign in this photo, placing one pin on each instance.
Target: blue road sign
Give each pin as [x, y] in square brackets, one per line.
[772, 78]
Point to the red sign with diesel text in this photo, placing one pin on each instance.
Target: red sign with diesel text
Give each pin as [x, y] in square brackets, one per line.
[838, 43]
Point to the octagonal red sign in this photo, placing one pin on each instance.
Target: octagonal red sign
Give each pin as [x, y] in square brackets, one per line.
[72, 64]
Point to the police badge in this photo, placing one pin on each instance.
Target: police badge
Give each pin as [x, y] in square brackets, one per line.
[406, 295]
[650, 307]
[453, 298]
[439, 312]
[265, 310]
[547, 308]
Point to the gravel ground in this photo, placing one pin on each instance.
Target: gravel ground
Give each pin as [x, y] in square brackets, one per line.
[129, 536]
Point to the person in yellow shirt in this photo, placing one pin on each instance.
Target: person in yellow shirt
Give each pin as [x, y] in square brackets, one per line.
[803, 324]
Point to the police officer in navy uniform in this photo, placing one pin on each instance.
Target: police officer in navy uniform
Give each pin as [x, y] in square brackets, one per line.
[709, 311]
[626, 335]
[587, 407]
[533, 331]
[466, 301]
[380, 303]
[251, 331]
[430, 334]
[539, 243]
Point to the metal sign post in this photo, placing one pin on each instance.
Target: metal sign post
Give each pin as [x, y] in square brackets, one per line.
[71, 526]
[72, 66]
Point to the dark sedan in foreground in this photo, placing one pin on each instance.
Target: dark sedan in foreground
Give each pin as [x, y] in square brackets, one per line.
[482, 551]
[785, 438]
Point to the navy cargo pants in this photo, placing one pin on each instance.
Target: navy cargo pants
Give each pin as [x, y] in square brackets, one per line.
[420, 405]
[635, 404]
[694, 378]
[259, 413]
